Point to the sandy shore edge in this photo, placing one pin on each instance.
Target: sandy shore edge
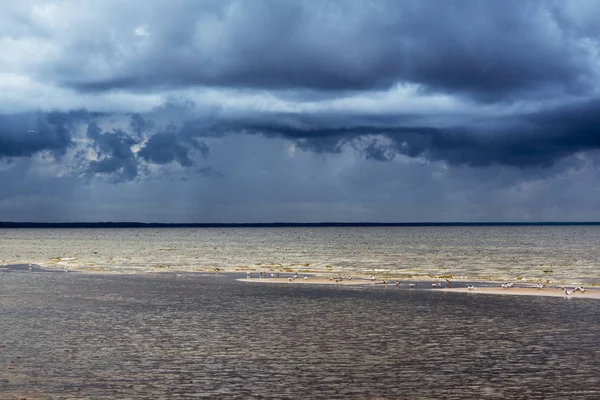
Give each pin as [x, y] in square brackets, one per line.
[524, 291]
[490, 287]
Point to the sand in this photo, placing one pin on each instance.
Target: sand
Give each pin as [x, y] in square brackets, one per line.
[426, 285]
[313, 280]
[523, 291]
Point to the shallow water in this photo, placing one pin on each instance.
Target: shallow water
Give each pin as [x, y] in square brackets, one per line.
[567, 254]
[163, 336]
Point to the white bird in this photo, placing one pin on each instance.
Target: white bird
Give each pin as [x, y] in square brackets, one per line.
[412, 285]
[434, 285]
[568, 292]
[470, 287]
[372, 278]
[539, 285]
[306, 277]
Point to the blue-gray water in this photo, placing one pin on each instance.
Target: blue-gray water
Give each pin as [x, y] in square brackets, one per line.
[69, 335]
[559, 254]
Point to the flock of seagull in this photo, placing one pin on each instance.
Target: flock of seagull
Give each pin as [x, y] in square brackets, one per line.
[411, 285]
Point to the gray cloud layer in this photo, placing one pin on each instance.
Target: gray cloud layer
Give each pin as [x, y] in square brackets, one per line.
[489, 50]
[127, 93]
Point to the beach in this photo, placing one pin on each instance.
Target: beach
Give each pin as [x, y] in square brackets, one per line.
[494, 288]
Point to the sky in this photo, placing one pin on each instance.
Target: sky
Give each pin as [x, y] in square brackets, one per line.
[299, 111]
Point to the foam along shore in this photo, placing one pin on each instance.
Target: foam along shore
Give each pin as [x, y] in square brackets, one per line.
[570, 291]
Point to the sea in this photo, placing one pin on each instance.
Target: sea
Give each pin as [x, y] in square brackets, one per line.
[122, 323]
[557, 254]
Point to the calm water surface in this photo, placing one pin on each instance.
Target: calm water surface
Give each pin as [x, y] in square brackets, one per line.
[70, 335]
[568, 254]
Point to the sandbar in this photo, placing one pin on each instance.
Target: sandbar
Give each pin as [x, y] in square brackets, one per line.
[588, 293]
[525, 291]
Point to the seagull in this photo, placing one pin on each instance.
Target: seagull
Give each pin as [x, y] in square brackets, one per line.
[579, 288]
[272, 275]
[372, 278]
[539, 285]
[306, 277]
[470, 287]
[568, 292]
[412, 285]
[434, 284]
[248, 275]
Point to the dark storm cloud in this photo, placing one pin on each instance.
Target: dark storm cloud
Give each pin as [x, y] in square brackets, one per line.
[25, 134]
[537, 139]
[114, 150]
[164, 147]
[116, 158]
[487, 49]
[139, 125]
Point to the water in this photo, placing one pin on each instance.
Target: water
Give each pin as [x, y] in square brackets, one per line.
[559, 254]
[162, 336]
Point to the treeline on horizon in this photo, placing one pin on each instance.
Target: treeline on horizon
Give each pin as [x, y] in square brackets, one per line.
[272, 224]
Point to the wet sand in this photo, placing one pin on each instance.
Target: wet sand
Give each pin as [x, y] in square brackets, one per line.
[312, 280]
[521, 291]
[460, 286]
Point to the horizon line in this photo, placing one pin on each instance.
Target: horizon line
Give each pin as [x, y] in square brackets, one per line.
[132, 224]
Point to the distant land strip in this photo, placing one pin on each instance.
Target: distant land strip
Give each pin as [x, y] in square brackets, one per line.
[275, 224]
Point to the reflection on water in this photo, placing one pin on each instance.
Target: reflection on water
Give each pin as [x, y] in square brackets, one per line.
[556, 253]
[149, 336]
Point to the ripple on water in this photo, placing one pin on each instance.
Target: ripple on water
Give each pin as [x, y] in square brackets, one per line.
[160, 337]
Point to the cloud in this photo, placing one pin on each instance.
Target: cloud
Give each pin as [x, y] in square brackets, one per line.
[22, 135]
[165, 147]
[489, 50]
[359, 105]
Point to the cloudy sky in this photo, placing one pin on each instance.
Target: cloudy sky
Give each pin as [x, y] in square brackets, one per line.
[281, 110]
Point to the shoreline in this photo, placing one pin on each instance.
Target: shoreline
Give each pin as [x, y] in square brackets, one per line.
[527, 291]
[424, 283]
